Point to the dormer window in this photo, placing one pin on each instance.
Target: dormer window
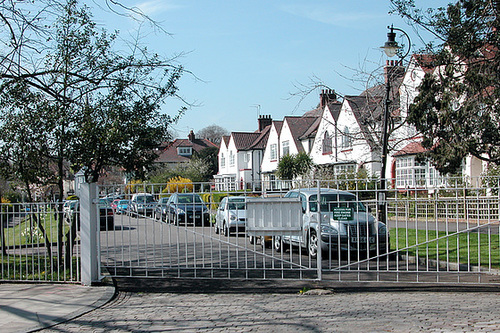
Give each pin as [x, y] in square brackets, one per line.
[185, 151]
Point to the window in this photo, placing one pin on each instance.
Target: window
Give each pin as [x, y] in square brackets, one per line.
[346, 138]
[286, 148]
[222, 160]
[231, 159]
[274, 152]
[184, 151]
[327, 143]
[342, 169]
[411, 173]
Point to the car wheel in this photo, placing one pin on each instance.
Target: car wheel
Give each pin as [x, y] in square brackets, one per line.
[225, 229]
[277, 243]
[312, 244]
[265, 244]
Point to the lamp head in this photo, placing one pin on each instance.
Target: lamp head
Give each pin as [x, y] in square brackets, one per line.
[391, 47]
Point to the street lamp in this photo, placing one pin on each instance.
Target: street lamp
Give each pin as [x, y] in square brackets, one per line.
[391, 48]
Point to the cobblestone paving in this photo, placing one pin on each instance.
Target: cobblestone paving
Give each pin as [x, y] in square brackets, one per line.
[333, 312]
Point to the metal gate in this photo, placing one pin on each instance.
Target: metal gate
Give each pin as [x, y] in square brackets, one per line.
[450, 234]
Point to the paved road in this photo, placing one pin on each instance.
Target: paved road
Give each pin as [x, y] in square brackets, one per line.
[140, 247]
[403, 311]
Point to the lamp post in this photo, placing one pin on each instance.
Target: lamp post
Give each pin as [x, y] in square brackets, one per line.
[391, 48]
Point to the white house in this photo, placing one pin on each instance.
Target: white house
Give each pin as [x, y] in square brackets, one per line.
[271, 156]
[406, 170]
[240, 158]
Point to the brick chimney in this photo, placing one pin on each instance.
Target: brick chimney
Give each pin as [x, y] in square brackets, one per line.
[327, 96]
[191, 136]
[264, 121]
[394, 69]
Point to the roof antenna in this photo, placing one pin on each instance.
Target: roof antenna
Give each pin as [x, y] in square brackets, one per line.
[257, 106]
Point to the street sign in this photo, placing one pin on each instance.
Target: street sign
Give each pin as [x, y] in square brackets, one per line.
[343, 213]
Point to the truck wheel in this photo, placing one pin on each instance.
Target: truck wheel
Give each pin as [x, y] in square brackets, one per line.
[277, 243]
[312, 244]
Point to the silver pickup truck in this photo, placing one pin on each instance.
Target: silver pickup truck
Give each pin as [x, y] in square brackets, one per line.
[346, 224]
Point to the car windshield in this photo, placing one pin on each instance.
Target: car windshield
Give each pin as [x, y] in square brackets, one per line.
[330, 201]
[163, 200]
[237, 204]
[145, 198]
[186, 198]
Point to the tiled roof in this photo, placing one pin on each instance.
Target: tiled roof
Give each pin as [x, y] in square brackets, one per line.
[298, 126]
[412, 148]
[261, 141]
[279, 125]
[426, 61]
[244, 140]
[169, 153]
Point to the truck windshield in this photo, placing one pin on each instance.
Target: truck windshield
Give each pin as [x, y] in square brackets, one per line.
[330, 201]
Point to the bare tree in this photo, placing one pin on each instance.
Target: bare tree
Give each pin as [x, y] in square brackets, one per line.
[214, 133]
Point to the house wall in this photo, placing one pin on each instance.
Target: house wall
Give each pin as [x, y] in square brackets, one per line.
[286, 135]
[327, 124]
[270, 165]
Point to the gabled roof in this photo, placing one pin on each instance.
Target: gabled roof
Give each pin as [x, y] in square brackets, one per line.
[368, 112]
[413, 148]
[261, 141]
[425, 61]
[298, 126]
[169, 153]
[225, 139]
[244, 140]
[278, 124]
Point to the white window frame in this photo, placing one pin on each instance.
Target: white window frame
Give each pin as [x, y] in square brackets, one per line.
[231, 159]
[274, 152]
[286, 147]
[184, 151]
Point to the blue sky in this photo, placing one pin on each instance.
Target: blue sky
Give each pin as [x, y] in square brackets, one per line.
[250, 56]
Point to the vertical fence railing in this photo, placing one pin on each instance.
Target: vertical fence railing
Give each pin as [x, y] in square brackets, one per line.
[448, 233]
[37, 243]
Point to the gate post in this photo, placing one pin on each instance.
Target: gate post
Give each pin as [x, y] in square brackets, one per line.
[319, 256]
[88, 234]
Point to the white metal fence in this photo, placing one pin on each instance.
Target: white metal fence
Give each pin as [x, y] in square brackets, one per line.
[38, 244]
[450, 234]
[447, 234]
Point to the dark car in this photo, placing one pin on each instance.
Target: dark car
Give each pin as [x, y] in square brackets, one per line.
[160, 211]
[187, 208]
[106, 215]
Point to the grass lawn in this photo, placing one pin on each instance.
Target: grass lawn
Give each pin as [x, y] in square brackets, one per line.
[464, 248]
[27, 232]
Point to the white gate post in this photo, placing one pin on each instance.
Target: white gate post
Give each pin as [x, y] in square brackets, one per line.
[319, 255]
[88, 234]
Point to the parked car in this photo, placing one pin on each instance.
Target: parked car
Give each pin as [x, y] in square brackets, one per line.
[346, 224]
[160, 211]
[122, 207]
[71, 209]
[142, 204]
[106, 215]
[231, 215]
[114, 203]
[187, 208]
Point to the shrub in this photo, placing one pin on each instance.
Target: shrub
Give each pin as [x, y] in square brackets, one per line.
[179, 184]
